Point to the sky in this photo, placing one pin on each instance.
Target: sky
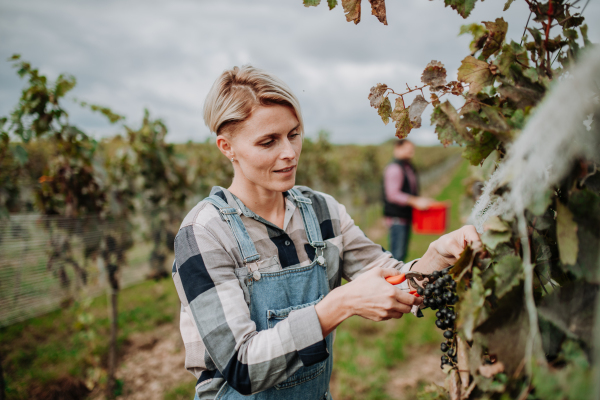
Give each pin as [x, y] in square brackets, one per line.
[165, 55]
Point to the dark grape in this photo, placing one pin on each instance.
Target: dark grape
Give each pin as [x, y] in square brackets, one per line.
[427, 293]
[444, 359]
[439, 314]
[453, 284]
[437, 292]
[420, 291]
[448, 334]
[435, 274]
[440, 324]
[444, 347]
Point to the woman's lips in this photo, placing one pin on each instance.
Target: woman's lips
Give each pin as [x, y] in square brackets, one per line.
[285, 170]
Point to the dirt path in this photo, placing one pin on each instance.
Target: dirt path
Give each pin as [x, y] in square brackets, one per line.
[419, 369]
[154, 364]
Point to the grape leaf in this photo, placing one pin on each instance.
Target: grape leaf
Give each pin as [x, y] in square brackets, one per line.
[509, 273]
[491, 239]
[471, 305]
[494, 223]
[403, 125]
[462, 7]
[497, 33]
[571, 309]
[434, 75]
[385, 109]
[481, 147]
[505, 331]
[479, 34]
[378, 10]
[332, 4]
[566, 234]
[507, 5]
[311, 3]
[476, 73]
[376, 94]
[446, 132]
[495, 124]
[511, 54]
[522, 96]
[448, 125]
[352, 10]
[398, 109]
[416, 110]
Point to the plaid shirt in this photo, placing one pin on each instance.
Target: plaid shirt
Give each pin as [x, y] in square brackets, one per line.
[221, 340]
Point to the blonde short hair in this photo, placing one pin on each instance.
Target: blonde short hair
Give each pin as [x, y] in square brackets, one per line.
[236, 94]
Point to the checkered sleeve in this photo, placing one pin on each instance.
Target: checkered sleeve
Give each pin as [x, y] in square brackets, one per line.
[248, 360]
[361, 253]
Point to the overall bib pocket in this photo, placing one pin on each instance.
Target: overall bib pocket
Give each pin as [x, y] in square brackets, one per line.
[304, 374]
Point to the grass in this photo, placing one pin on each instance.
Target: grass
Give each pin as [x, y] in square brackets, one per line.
[73, 341]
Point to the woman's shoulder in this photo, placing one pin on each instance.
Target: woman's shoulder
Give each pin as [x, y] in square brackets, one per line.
[202, 215]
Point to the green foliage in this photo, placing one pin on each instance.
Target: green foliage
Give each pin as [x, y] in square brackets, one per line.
[505, 81]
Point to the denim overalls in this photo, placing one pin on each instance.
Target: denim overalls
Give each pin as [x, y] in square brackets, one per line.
[273, 295]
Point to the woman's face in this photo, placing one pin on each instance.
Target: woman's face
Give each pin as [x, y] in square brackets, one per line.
[266, 148]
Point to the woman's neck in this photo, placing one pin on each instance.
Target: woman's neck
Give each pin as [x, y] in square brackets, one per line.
[265, 203]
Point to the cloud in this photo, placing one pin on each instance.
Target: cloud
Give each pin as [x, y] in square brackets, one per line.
[166, 55]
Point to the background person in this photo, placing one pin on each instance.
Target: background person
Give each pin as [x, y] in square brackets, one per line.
[258, 266]
[401, 194]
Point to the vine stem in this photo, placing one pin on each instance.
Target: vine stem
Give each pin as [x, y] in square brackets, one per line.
[534, 334]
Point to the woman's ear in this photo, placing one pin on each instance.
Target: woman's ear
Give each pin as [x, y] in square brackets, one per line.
[224, 144]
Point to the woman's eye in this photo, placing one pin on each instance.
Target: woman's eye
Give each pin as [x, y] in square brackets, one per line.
[266, 144]
[293, 135]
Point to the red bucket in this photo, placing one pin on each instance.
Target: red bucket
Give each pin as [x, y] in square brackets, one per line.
[432, 221]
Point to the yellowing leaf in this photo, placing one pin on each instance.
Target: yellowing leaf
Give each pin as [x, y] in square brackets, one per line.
[434, 75]
[416, 110]
[385, 109]
[403, 125]
[507, 4]
[398, 109]
[566, 233]
[476, 73]
[352, 10]
[378, 10]
[376, 94]
[495, 224]
[497, 33]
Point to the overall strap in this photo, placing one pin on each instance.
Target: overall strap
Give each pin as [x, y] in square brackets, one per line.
[232, 217]
[311, 223]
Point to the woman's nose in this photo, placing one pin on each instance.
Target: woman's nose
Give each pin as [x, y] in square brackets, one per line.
[288, 150]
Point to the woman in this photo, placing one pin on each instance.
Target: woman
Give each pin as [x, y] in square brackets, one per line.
[258, 266]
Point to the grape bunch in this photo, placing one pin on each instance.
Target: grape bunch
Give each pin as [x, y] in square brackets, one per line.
[440, 294]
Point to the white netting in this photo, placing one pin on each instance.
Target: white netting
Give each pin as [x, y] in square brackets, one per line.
[563, 129]
[46, 262]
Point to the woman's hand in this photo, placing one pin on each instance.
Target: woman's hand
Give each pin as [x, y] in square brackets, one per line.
[447, 249]
[369, 296]
[376, 299]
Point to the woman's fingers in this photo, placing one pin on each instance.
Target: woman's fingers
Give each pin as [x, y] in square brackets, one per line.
[387, 272]
[407, 299]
